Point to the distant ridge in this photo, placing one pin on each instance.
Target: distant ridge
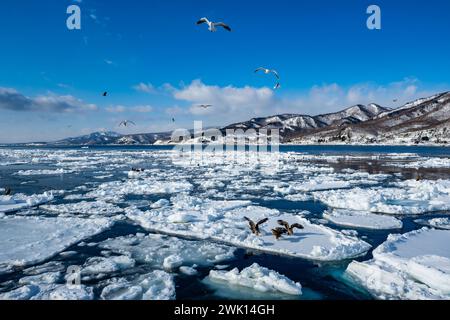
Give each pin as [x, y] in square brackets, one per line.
[423, 121]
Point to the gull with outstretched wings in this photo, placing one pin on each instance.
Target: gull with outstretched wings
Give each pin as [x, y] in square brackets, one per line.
[270, 71]
[212, 26]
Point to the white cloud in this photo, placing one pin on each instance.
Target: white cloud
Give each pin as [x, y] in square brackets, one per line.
[234, 104]
[228, 102]
[122, 109]
[116, 109]
[145, 87]
[64, 86]
[142, 109]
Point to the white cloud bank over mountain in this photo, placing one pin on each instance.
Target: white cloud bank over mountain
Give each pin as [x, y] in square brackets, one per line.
[232, 104]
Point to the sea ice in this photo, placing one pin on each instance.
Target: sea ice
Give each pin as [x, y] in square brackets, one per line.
[408, 197]
[438, 223]
[166, 252]
[84, 208]
[223, 221]
[114, 191]
[157, 285]
[362, 219]
[21, 201]
[258, 278]
[49, 292]
[31, 240]
[43, 172]
[415, 265]
[189, 271]
[98, 267]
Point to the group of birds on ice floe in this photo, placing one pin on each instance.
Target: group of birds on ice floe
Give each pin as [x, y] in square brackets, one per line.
[285, 228]
[213, 27]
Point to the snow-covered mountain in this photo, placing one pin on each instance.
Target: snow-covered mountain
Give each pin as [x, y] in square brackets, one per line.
[294, 124]
[424, 120]
[96, 138]
[114, 138]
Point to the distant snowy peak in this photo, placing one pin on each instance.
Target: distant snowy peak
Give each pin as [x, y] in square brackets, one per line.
[289, 124]
[424, 120]
[285, 123]
[105, 137]
[421, 103]
[355, 114]
[114, 138]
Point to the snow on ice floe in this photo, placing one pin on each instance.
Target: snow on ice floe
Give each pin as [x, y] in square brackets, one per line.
[428, 163]
[44, 278]
[84, 208]
[223, 221]
[43, 172]
[164, 252]
[258, 278]
[32, 240]
[413, 266]
[362, 219]
[99, 267]
[438, 223]
[20, 201]
[49, 292]
[407, 197]
[189, 271]
[115, 191]
[157, 285]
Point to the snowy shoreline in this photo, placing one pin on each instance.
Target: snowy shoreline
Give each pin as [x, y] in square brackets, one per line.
[49, 145]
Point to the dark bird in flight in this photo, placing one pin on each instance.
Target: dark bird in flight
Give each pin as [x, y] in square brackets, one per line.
[255, 226]
[126, 123]
[8, 192]
[278, 232]
[105, 93]
[173, 119]
[290, 228]
[212, 26]
[205, 106]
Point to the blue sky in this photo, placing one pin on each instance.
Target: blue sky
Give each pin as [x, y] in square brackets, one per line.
[157, 64]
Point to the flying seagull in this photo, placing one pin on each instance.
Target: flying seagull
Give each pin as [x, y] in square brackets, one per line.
[212, 26]
[105, 93]
[205, 106]
[255, 226]
[269, 71]
[290, 228]
[395, 100]
[126, 123]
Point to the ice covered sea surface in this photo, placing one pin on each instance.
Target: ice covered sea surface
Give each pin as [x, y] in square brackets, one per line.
[177, 230]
